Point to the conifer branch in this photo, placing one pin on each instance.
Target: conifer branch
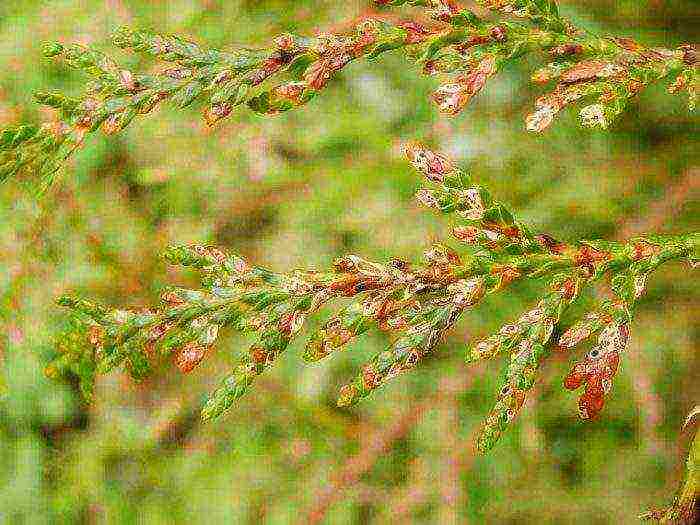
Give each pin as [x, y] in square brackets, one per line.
[416, 304]
[604, 72]
[686, 505]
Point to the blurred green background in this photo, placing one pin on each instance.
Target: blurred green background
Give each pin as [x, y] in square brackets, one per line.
[298, 190]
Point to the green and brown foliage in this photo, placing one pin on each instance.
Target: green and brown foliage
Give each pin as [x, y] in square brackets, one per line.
[415, 304]
[605, 72]
[301, 190]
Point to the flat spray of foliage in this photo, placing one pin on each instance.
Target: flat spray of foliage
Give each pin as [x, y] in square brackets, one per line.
[602, 73]
[417, 304]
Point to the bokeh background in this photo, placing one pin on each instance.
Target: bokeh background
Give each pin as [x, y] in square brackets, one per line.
[299, 190]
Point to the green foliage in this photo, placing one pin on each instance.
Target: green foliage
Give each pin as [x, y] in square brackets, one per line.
[298, 191]
[586, 67]
[416, 304]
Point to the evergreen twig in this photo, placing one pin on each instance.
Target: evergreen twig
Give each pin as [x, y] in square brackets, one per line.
[605, 72]
[417, 304]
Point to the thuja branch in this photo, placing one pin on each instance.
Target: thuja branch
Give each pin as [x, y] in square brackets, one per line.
[416, 304]
[604, 72]
[686, 506]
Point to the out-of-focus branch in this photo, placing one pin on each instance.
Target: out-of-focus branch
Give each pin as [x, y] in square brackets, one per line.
[665, 208]
[377, 442]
